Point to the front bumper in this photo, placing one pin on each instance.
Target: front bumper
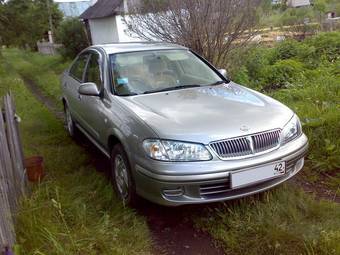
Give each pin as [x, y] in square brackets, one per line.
[213, 184]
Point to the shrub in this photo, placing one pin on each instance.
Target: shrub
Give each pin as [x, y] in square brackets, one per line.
[326, 44]
[242, 76]
[72, 35]
[257, 61]
[282, 73]
[286, 49]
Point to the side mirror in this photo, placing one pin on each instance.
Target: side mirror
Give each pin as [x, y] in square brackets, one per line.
[223, 72]
[88, 89]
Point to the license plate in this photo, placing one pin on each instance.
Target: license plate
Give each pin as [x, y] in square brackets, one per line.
[262, 173]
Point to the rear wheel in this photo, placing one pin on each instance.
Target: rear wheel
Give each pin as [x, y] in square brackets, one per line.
[70, 126]
[121, 176]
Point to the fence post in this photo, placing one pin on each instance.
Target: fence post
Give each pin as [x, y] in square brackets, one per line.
[13, 179]
[14, 146]
[8, 199]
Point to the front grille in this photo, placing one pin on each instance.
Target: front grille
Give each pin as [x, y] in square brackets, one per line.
[247, 145]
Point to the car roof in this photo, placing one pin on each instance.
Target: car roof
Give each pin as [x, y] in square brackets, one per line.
[113, 48]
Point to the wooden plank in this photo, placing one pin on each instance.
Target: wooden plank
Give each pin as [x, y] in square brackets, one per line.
[6, 162]
[17, 127]
[13, 144]
[7, 233]
[12, 175]
[8, 200]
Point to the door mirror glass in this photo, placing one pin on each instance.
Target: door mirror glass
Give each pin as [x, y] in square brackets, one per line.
[223, 72]
[88, 89]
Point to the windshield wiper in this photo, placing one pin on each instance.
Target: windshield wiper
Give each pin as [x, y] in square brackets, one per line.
[218, 83]
[128, 94]
[172, 88]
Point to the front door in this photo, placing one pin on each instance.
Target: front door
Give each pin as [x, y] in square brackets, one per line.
[91, 106]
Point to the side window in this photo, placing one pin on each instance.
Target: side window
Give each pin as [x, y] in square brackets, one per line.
[78, 67]
[93, 71]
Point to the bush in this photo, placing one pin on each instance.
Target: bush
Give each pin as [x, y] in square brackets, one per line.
[242, 76]
[326, 44]
[282, 73]
[287, 49]
[72, 35]
[256, 63]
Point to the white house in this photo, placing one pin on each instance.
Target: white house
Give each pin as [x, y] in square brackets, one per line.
[104, 22]
[298, 3]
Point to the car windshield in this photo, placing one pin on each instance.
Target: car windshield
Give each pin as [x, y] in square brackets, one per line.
[146, 72]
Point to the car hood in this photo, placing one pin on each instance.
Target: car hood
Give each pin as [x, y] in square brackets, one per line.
[206, 114]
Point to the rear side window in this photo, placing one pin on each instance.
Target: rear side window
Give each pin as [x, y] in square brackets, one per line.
[93, 73]
[78, 67]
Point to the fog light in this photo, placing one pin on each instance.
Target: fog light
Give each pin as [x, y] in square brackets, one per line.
[175, 192]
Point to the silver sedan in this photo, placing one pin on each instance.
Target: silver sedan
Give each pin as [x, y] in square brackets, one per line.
[176, 129]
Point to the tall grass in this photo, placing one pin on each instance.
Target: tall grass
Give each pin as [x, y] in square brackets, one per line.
[284, 221]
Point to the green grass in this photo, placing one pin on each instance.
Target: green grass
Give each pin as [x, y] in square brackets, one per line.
[284, 221]
[44, 70]
[74, 210]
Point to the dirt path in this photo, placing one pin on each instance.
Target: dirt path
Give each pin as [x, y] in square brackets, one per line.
[172, 229]
[45, 100]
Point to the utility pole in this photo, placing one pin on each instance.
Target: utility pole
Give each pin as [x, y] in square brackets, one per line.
[50, 32]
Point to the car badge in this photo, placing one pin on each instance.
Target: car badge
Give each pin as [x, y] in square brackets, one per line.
[244, 128]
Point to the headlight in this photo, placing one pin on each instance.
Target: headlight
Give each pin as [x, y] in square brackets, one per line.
[291, 130]
[168, 150]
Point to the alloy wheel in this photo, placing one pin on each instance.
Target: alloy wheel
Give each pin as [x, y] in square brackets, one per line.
[121, 176]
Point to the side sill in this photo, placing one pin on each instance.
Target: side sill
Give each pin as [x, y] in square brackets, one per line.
[101, 148]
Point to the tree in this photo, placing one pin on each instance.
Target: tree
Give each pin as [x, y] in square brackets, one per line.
[26, 21]
[211, 28]
[72, 35]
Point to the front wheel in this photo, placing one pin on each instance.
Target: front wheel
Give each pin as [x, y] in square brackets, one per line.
[121, 176]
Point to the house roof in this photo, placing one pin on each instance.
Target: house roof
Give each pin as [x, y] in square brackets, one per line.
[101, 9]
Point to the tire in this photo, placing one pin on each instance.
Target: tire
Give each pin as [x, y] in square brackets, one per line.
[69, 123]
[122, 180]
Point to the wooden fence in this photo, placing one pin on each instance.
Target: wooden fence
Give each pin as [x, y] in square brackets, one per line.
[48, 48]
[13, 179]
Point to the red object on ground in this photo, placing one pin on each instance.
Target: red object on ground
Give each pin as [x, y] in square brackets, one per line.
[35, 168]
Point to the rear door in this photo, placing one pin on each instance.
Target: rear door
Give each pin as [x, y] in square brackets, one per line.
[75, 79]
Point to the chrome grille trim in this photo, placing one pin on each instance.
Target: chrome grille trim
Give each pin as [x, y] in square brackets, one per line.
[247, 146]
[214, 189]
